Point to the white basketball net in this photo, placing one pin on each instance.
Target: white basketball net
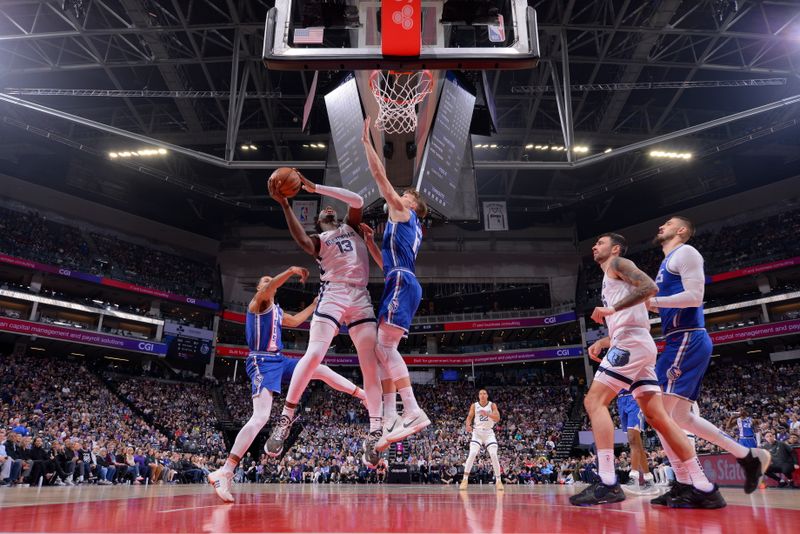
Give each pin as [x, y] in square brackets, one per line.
[397, 94]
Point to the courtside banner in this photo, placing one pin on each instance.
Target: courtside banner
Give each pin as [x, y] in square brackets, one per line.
[69, 273]
[755, 269]
[761, 331]
[446, 360]
[725, 470]
[462, 326]
[86, 337]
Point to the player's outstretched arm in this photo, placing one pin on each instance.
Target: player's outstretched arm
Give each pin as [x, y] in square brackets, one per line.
[470, 417]
[293, 321]
[495, 415]
[353, 200]
[309, 244]
[369, 239]
[397, 212]
[266, 292]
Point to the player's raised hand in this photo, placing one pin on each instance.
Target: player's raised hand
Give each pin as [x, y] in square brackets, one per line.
[365, 132]
[302, 272]
[308, 185]
[367, 230]
[595, 350]
[600, 313]
[272, 187]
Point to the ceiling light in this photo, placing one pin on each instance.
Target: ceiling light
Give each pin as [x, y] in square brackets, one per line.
[476, 146]
[245, 147]
[37, 348]
[606, 151]
[580, 149]
[77, 354]
[113, 155]
[670, 154]
[253, 147]
[528, 147]
[492, 146]
[322, 145]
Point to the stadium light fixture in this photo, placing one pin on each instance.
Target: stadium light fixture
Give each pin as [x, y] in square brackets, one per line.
[580, 149]
[606, 151]
[143, 152]
[670, 155]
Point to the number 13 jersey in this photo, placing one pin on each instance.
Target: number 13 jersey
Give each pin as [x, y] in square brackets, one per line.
[343, 257]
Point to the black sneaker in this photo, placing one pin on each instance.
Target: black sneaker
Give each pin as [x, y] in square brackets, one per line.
[274, 445]
[371, 456]
[692, 497]
[674, 490]
[754, 466]
[598, 493]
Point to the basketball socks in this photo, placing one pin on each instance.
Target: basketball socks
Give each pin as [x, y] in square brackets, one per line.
[681, 473]
[697, 475]
[409, 401]
[389, 406]
[231, 463]
[605, 465]
[288, 412]
[375, 424]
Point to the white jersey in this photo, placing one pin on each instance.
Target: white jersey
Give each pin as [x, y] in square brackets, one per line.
[614, 290]
[482, 420]
[343, 257]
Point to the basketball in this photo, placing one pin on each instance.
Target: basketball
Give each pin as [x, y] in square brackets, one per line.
[287, 180]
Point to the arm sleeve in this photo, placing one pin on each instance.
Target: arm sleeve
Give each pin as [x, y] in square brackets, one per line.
[688, 263]
[353, 200]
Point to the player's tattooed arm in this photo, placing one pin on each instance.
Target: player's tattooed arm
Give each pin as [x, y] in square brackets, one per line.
[644, 286]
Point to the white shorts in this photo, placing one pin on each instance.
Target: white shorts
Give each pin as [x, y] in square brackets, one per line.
[630, 363]
[484, 438]
[343, 305]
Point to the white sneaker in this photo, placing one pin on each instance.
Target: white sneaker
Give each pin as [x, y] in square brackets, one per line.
[384, 443]
[411, 424]
[58, 482]
[221, 481]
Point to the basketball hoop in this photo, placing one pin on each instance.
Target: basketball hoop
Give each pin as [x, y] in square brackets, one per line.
[397, 94]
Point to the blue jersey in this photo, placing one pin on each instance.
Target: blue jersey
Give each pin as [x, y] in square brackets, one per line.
[263, 330]
[745, 427]
[676, 319]
[401, 243]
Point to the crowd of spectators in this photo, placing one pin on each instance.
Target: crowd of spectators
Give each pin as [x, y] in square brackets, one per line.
[329, 448]
[185, 409]
[59, 424]
[32, 236]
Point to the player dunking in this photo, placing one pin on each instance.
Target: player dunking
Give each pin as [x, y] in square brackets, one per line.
[632, 421]
[266, 366]
[480, 422]
[681, 366]
[402, 292]
[630, 364]
[343, 300]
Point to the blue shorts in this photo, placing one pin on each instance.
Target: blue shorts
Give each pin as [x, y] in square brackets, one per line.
[682, 365]
[267, 370]
[401, 297]
[630, 415]
[750, 443]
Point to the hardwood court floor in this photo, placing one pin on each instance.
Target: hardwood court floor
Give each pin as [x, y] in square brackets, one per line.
[392, 508]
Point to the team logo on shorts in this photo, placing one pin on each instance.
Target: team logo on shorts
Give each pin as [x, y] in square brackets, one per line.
[618, 357]
[674, 373]
[257, 381]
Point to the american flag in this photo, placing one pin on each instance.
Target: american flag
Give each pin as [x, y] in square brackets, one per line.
[308, 35]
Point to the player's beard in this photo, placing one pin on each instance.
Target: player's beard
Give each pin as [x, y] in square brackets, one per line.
[328, 219]
[659, 239]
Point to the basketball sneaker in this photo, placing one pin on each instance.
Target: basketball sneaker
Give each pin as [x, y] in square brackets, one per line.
[464, 483]
[691, 497]
[388, 428]
[598, 493]
[220, 480]
[410, 424]
[371, 456]
[755, 464]
[663, 499]
[274, 445]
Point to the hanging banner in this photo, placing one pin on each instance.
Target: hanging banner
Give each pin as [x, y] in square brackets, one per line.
[495, 217]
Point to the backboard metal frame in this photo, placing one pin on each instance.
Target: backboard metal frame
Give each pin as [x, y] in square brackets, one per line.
[278, 54]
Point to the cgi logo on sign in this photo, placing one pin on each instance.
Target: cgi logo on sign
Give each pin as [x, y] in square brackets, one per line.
[562, 352]
[65, 272]
[190, 300]
[149, 347]
[549, 320]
